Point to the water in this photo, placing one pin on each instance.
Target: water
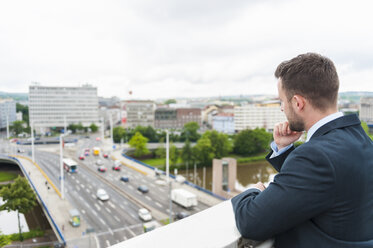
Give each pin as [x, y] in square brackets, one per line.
[247, 175]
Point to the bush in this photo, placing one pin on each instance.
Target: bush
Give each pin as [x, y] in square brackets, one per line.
[27, 235]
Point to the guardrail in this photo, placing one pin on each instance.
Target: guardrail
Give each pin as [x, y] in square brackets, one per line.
[37, 193]
[173, 176]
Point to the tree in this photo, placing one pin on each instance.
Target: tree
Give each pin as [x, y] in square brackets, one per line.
[203, 151]
[4, 240]
[219, 142]
[93, 128]
[186, 152]
[72, 127]
[249, 142]
[190, 132]
[139, 143]
[19, 197]
[169, 101]
[148, 132]
[17, 127]
[24, 110]
[118, 134]
[174, 154]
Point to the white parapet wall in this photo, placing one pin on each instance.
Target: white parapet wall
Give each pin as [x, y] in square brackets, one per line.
[213, 227]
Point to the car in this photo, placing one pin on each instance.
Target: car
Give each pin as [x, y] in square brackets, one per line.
[102, 195]
[19, 150]
[99, 162]
[144, 214]
[81, 157]
[116, 168]
[143, 189]
[105, 155]
[124, 178]
[101, 168]
[98, 139]
[181, 215]
[86, 154]
[86, 149]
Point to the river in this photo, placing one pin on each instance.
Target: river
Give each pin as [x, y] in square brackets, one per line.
[247, 175]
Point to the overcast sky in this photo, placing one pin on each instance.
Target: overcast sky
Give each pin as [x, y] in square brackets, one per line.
[179, 48]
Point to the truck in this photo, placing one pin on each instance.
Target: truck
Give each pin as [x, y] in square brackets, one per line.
[184, 198]
[74, 217]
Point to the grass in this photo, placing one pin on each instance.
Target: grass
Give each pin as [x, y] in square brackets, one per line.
[7, 176]
[159, 162]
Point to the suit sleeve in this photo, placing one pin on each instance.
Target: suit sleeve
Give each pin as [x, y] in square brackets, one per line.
[278, 161]
[303, 189]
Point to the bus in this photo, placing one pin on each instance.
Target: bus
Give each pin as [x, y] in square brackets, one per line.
[70, 165]
[96, 151]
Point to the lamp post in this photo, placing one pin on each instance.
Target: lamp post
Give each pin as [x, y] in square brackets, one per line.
[168, 172]
[32, 142]
[62, 178]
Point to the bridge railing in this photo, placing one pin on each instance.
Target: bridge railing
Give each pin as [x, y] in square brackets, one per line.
[54, 225]
[213, 227]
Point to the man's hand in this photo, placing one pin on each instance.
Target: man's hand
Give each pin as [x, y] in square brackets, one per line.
[283, 136]
[259, 186]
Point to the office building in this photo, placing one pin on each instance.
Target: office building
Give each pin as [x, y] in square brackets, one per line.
[7, 112]
[252, 116]
[50, 106]
[137, 113]
[366, 110]
[223, 122]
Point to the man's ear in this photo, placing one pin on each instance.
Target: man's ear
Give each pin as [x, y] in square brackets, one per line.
[299, 102]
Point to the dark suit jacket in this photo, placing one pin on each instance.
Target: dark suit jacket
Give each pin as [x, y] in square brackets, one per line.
[322, 195]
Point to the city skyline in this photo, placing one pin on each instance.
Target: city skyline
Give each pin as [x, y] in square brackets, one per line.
[179, 49]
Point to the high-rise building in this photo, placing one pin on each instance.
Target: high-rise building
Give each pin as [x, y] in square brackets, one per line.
[366, 110]
[259, 115]
[138, 113]
[7, 111]
[223, 122]
[50, 106]
[176, 118]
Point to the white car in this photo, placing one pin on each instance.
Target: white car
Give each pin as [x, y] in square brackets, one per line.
[144, 214]
[102, 195]
[99, 162]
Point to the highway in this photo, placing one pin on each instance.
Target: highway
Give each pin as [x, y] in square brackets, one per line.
[115, 220]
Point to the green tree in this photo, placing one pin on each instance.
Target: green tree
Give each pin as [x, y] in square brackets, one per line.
[24, 110]
[220, 143]
[72, 127]
[19, 197]
[186, 152]
[118, 134]
[17, 127]
[139, 143]
[169, 101]
[161, 151]
[174, 154]
[4, 240]
[203, 151]
[93, 128]
[80, 126]
[249, 142]
[190, 132]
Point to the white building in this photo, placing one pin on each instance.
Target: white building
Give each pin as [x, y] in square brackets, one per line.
[258, 115]
[50, 105]
[7, 111]
[224, 123]
[366, 110]
[137, 113]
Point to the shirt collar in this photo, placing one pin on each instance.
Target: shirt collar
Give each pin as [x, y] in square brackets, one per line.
[321, 123]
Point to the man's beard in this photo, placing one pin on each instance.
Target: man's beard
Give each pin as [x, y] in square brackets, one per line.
[295, 123]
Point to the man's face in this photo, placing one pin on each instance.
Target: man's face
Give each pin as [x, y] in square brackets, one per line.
[295, 121]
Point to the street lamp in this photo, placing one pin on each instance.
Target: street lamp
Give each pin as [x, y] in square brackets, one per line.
[168, 172]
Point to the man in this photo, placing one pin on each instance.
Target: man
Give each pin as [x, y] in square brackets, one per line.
[323, 193]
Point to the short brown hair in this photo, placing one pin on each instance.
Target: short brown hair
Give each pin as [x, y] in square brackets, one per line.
[312, 76]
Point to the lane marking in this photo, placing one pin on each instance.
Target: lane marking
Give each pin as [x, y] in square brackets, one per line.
[82, 185]
[133, 234]
[83, 211]
[101, 203]
[107, 209]
[93, 196]
[97, 206]
[133, 216]
[111, 231]
[115, 217]
[148, 197]
[111, 205]
[158, 204]
[108, 243]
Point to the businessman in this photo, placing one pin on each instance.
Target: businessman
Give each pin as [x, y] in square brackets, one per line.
[322, 195]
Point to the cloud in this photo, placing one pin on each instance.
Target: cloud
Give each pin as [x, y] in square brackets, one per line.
[176, 48]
